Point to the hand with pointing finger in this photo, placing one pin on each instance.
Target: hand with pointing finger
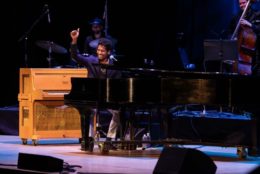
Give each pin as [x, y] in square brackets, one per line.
[74, 34]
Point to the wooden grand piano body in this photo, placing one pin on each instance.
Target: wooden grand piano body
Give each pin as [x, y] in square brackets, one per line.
[42, 113]
[151, 88]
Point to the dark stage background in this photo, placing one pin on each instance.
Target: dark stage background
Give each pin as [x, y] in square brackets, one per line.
[144, 29]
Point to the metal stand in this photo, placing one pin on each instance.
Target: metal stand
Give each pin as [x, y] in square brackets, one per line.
[224, 51]
[26, 35]
[49, 58]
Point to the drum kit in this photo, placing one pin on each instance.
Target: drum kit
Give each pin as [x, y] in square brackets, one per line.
[94, 43]
[51, 47]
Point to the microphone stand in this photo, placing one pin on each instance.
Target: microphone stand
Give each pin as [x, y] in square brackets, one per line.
[26, 35]
[105, 17]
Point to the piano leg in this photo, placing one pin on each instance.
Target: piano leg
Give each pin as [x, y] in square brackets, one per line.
[126, 129]
[87, 143]
[254, 150]
[131, 130]
[165, 120]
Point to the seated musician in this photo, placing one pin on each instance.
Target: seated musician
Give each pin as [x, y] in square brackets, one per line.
[104, 49]
[249, 48]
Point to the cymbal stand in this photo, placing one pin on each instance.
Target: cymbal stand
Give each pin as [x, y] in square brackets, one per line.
[49, 54]
[106, 19]
[26, 35]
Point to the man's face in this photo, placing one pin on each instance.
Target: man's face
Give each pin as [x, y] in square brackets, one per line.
[242, 4]
[96, 28]
[102, 53]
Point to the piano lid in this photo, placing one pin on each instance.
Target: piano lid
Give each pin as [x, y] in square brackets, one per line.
[180, 88]
[148, 72]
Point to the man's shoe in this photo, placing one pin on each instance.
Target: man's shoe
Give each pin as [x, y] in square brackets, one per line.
[88, 145]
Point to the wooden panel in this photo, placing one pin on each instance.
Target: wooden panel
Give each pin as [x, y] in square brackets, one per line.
[42, 113]
[54, 115]
[56, 79]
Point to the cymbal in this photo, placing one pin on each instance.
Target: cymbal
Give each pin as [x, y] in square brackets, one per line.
[94, 43]
[49, 44]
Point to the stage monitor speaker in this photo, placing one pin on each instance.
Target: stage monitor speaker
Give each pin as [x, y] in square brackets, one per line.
[39, 163]
[183, 161]
[255, 171]
[12, 170]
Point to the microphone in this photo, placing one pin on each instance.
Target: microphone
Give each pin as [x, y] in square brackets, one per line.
[113, 58]
[48, 13]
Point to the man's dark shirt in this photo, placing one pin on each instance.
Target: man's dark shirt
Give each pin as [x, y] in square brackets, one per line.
[92, 64]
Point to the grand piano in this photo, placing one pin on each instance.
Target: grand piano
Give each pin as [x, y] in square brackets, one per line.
[148, 88]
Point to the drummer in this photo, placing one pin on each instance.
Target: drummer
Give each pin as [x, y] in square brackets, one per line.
[97, 32]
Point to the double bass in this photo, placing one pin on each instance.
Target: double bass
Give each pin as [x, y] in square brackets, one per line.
[246, 38]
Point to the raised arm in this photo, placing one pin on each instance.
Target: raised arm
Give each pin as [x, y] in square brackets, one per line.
[75, 54]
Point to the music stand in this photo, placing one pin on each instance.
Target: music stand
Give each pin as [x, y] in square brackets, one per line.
[220, 50]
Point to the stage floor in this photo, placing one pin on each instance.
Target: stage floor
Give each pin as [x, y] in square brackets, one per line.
[120, 161]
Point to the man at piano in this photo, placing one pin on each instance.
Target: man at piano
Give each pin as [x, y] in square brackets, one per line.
[92, 63]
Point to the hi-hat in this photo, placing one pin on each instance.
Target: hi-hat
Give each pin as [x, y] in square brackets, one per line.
[51, 46]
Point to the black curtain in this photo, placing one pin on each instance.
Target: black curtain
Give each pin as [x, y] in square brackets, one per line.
[144, 29]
